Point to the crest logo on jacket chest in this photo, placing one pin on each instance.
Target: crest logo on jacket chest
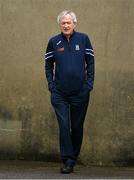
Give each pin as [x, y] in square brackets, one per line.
[77, 47]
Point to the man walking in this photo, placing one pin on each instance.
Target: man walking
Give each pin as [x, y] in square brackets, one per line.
[69, 67]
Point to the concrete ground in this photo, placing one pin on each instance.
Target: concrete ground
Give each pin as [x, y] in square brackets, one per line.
[47, 170]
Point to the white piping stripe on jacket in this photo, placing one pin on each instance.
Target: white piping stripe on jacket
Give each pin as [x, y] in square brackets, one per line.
[49, 57]
[49, 53]
[90, 53]
[58, 42]
[89, 50]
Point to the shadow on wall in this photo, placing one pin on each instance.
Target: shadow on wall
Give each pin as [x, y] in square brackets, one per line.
[5, 113]
[29, 139]
[125, 153]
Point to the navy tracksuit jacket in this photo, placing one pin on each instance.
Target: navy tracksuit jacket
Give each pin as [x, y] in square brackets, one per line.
[69, 67]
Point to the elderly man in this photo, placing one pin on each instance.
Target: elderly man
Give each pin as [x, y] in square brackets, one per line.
[69, 65]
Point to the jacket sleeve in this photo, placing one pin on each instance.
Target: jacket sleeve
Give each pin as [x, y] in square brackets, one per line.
[49, 65]
[90, 65]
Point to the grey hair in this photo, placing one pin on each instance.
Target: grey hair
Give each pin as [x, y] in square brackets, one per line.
[64, 13]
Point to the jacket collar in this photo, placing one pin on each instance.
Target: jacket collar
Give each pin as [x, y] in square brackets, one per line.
[64, 37]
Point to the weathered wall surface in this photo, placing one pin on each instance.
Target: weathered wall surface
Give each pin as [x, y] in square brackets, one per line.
[28, 128]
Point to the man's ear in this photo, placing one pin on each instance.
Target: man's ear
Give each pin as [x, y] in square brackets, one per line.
[75, 24]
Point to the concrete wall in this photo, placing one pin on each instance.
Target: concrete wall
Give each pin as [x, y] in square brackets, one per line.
[28, 128]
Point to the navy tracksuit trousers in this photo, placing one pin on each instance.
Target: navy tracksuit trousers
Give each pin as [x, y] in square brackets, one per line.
[70, 111]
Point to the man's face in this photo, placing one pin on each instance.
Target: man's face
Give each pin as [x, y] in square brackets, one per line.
[67, 25]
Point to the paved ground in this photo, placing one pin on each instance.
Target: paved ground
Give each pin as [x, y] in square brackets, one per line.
[44, 170]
